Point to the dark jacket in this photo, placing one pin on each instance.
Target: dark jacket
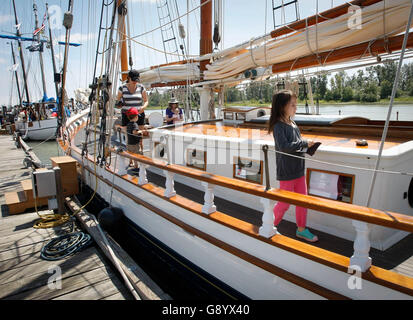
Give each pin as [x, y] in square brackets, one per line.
[288, 139]
[132, 138]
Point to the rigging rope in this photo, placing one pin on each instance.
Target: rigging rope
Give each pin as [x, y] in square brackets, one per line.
[386, 127]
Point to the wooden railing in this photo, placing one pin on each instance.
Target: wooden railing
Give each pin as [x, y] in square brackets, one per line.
[361, 216]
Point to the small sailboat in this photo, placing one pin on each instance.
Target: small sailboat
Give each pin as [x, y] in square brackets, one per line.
[36, 120]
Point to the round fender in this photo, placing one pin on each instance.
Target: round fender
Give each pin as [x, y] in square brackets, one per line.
[111, 219]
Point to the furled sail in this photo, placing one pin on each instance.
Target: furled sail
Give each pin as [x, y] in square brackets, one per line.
[380, 20]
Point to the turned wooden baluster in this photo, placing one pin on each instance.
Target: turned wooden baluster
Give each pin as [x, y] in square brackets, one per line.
[169, 184]
[142, 174]
[208, 206]
[361, 257]
[267, 229]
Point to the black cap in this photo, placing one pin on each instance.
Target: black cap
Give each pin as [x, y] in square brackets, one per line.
[133, 75]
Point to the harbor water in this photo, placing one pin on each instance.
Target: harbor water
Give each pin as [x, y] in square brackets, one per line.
[404, 112]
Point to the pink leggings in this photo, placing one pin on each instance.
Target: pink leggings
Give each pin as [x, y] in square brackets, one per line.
[297, 185]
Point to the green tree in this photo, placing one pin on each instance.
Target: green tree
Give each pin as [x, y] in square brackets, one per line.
[385, 89]
[369, 93]
[347, 94]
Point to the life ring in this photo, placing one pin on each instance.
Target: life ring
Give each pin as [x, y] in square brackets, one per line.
[155, 119]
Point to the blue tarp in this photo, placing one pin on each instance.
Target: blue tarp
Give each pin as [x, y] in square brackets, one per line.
[4, 36]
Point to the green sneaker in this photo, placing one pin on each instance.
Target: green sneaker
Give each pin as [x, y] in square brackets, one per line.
[306, 235]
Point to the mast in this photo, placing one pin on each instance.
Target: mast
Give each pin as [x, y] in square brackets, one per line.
[67, 22]
[205, 47]
[36, 23]
[15, 73]
[18, 34]
[52, 52]
[122, 10]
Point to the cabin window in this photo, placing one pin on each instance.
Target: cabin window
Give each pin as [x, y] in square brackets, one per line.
[160, 151]
[240, 116]
[196, 158]
[228, 115]
[248, 169]
[330, 185]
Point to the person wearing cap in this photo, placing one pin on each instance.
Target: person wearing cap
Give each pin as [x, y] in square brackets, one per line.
[134, 135]
[173, 112]
[132, 94]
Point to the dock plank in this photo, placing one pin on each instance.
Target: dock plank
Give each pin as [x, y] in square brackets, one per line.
[70, 285]
[23, 273]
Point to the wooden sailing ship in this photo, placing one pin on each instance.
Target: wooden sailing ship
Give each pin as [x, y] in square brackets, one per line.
[236, 163]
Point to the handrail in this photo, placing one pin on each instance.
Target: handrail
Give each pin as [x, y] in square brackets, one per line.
[350, 211]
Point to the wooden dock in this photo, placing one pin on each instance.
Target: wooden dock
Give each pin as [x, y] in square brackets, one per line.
[87, 275]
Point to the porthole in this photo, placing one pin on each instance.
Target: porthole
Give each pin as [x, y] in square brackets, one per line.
[261, 113]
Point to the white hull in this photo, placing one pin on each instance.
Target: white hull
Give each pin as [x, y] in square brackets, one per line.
[388, 192]
[239, 274]
[37, 130]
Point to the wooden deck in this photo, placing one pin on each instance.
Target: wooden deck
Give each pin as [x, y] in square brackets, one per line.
[24, 275]
[327, 139]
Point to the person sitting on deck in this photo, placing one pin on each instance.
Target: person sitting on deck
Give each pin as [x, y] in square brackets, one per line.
[173, 112]
[133, 134]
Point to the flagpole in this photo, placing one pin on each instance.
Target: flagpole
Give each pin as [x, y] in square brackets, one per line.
[21, 53]
[52, 53]
[40, 50]
[15, 73]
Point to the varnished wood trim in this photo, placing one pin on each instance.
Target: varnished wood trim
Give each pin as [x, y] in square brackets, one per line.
[346, 210]
[343, 54]
[288, 276]
[329, 14]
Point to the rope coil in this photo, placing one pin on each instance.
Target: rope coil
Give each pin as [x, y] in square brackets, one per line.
[63, 246]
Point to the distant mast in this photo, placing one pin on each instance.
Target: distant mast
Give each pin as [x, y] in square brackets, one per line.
[56, 80]
[40, 51]
[18, 34]
[15, 73]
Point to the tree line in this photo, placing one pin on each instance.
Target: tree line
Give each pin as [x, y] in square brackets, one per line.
[369, 85]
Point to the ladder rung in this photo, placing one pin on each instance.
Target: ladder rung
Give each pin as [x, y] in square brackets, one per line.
[170, 39]
[284, 5]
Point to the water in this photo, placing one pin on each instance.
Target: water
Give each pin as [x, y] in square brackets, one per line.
[374, 112]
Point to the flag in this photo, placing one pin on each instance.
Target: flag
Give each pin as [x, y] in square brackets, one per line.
[35, 32]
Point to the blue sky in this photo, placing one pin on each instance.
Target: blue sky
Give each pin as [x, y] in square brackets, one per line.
[242, 20]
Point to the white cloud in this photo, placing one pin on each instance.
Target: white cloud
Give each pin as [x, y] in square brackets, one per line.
[79, 37]
[5, 18]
